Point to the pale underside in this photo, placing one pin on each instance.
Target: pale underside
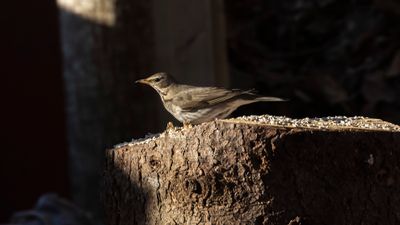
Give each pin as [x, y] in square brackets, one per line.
[200, 115]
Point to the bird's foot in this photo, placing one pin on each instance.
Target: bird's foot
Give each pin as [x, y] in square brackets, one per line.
[187, 125]
[170, 126]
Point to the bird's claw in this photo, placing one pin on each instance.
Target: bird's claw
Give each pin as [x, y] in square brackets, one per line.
[170, 126]
[187, 125]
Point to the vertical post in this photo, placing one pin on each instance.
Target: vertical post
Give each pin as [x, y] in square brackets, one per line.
[190, 40]
[106, 44]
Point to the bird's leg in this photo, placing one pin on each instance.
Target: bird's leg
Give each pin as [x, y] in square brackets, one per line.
[170, 126]
[187, 124]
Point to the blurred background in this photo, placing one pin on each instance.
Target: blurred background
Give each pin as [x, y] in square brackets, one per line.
[69, 67]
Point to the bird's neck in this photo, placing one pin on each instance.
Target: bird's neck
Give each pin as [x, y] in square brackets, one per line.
[165, 92]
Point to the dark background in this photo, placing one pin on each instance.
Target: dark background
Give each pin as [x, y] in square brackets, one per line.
[328, 57]
[34, 148]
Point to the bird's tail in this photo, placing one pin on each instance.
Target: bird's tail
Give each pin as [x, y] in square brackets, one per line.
[270, 99]
[258, 98]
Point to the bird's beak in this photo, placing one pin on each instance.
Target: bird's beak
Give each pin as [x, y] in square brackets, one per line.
[142, 81]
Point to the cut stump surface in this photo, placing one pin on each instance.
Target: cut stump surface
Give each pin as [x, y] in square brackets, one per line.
[258, 170]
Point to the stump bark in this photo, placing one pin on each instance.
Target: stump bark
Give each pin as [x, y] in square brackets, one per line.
[257, 172]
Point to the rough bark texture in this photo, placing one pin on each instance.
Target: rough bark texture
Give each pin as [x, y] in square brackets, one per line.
[240, 173]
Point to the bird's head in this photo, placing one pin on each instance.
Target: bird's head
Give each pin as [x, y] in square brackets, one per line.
[158, 81]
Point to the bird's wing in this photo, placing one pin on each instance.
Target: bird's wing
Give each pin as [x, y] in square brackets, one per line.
[200, 97]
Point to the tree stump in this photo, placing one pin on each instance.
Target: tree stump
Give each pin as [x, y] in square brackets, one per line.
[258, 170]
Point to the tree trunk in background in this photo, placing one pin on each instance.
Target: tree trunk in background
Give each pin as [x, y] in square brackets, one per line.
[107, 45]
[190, 40]
[249, 172]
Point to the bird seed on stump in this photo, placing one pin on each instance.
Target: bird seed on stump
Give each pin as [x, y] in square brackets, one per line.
[258, 170]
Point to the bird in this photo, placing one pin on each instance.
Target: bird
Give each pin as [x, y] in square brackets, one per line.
[193, 105]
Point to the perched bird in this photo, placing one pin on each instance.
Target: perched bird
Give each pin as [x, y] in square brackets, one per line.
[195, 105]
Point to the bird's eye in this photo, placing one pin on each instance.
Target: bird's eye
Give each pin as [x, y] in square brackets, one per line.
[157, 79]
